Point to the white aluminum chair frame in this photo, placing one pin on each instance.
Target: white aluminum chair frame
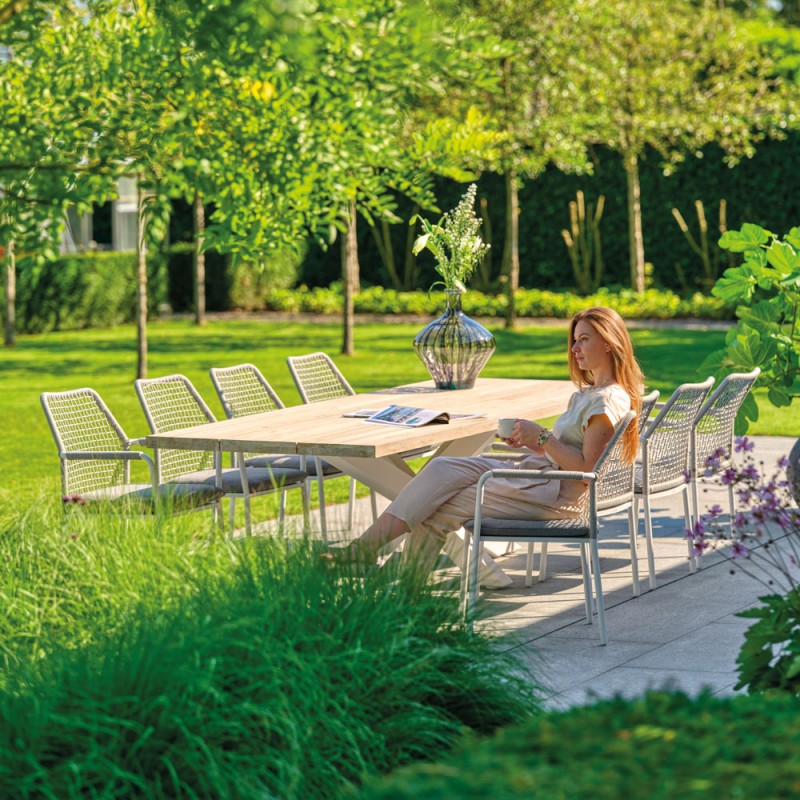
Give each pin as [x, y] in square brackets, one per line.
[243, 390]
[712, 433]
[665, 445]
[171, 403]
[95, 453]
[649, 402]
[610, 491]
[317, 378]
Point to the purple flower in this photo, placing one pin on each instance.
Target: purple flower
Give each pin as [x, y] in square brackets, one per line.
[750, 473]
[715, 510]
[743, 444]
[783, 462]
[729, 476]
[73, 499]
[698, 547]
[740, 520]
[687, 476]
[738, 550]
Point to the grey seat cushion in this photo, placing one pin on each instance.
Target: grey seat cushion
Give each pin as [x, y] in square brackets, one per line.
[292, 462]
[508, 528]
[137, 498]
[258, 480]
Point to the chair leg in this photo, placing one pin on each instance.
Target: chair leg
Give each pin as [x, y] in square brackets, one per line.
[323, 514]
[529, 564]
[305, 494]
[282, 513]
[634, 552]
[543, 562]
[687, 518]
[465, 565]
[648, 532]
[245, 500]
[474, 562]
[598, 590]
[587, 585]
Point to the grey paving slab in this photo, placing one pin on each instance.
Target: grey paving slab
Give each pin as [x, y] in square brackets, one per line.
[684, 634]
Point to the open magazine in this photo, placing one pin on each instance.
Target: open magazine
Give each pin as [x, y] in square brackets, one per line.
[408, 416]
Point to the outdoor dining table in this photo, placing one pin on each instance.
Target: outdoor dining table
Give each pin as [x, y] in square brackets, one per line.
[371, 452]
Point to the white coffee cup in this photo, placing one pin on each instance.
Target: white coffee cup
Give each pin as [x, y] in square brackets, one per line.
[505, 427]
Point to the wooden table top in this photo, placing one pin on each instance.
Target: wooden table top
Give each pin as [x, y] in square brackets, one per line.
[320, 428]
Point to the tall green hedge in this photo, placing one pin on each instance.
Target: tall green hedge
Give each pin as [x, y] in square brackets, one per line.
[756, 190]
[82, 291]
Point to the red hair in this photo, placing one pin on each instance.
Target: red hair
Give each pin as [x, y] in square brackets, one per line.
[627, 373]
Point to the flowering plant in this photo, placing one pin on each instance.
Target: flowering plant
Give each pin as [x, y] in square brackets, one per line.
[763, 540]
[454, 242]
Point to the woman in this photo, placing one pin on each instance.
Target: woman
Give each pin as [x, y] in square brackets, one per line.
[442, 497]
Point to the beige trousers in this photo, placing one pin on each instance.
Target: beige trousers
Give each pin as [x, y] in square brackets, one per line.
[441, 498]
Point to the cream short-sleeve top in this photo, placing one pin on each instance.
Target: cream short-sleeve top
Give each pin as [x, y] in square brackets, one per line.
[613, 401]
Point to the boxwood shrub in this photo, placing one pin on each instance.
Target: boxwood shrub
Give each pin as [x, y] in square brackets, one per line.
[659, 747]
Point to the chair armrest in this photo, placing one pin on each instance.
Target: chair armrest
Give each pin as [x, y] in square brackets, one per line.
[114, 455]
[549, 474]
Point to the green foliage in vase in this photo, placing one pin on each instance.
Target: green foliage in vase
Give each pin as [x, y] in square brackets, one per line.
[455, 242]
[766, 292]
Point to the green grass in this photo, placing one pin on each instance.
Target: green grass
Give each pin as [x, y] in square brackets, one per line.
[143, 663]
[106, 361]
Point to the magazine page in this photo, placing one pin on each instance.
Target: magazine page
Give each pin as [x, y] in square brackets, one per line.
[408, 416]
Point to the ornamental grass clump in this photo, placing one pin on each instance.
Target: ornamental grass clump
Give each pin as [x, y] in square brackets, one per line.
[229, 669]
[762, 540]
[455, 242]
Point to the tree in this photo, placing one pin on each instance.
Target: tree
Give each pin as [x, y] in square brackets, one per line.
[525, 105]
[670, 76]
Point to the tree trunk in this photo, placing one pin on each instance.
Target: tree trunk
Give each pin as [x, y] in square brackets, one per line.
[635, 239]
[199, 262]
[11, 296]
[510, 267]
[141, 286]
[350, 280]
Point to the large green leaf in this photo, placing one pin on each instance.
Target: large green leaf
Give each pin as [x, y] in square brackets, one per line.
[793, 237]
[736, 284]
[748, 412]
[765, 315]
[750, 237]
[778, 396]
[783, 258]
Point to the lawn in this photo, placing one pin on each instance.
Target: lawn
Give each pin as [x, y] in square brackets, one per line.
[105, 360]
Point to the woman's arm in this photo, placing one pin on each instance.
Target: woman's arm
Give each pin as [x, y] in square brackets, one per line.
[597, 435]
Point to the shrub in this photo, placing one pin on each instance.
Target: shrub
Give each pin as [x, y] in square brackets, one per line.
[763, 541]
[87, 290]
[653, 304]
[658, 747]
[222, 669]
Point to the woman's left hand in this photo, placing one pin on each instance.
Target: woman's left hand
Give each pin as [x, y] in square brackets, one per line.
[526, 434]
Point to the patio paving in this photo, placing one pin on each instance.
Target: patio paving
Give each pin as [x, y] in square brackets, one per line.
[683, 635]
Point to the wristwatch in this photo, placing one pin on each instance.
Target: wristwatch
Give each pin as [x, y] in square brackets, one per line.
[544, 436]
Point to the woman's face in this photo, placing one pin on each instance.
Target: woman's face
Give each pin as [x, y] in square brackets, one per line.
[591, 351]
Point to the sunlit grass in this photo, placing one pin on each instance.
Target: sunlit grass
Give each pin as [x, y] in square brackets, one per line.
[106, 361]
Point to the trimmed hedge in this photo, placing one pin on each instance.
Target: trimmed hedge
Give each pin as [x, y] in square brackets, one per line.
[658, 747]
[88, 290]
[653, 304]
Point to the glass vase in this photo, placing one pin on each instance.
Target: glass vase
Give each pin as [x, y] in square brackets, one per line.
[454, 348]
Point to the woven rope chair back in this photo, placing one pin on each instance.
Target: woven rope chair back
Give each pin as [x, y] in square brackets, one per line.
[80, 421]
[648, 404]
[667, 438]
[171, 403]
[614, 474]
[243, 390]
[715, 420]
[317, 377]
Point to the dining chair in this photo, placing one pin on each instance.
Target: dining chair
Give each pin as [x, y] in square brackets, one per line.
[610, 491]
[711, 451]
[96, 456]
[649, 402]
[665, 444]
[317, 378]
[243, 390]
[171, 403]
